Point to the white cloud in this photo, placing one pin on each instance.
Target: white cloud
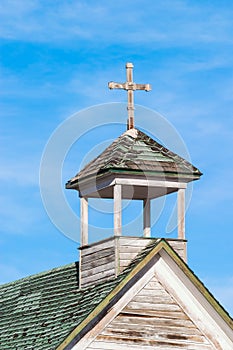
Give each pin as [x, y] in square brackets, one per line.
[115, 22]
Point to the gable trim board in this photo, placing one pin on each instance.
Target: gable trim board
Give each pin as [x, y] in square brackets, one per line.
[185, 287]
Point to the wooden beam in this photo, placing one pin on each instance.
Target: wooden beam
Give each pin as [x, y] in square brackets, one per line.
[149, 183]
[146, 218]
[84, 220]
[117, 194]
[181, 213]
[90, 190]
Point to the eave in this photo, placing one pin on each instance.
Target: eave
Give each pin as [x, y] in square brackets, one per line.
[76, 183]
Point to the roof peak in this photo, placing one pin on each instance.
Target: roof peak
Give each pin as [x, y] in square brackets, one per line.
[133, 132]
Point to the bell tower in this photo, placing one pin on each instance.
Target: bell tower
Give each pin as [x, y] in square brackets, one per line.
[133, 167]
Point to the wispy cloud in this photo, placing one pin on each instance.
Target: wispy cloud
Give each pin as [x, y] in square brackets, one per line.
[45, 21]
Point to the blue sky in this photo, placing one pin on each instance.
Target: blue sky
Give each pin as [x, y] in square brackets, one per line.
[56, 59]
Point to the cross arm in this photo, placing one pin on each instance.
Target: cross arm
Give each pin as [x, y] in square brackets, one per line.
[146, 87]
[129, 86]
[113, 85]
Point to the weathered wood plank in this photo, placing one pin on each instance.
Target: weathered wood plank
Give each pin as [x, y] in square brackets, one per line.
[178, 314]
[98, 254]
[98, 276]
[156, 291]
[127, 256]
[154, 285]
[180, 247]
[110, 346]
[155, 299]
[98, 246]
[92, 283]
[153, 328]
[151, 320]
[158, 306]
[129, 249]
[138, 343]
[176, 335]
[98, 269]
[99, 262]
[134, 241]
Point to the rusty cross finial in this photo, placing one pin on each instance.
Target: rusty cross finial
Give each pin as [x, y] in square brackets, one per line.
[129, 86]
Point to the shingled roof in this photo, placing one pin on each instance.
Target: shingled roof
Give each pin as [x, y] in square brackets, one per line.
[134, 152]
[39, 312]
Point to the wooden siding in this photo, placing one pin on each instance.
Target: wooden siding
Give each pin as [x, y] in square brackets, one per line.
[106, 259]
[180, 247]
[97, 263]
[151, 320]
[128, 248]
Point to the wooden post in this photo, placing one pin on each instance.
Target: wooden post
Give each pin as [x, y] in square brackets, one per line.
[146, 218]
[181, 213]
[117, 210]
[84, 220]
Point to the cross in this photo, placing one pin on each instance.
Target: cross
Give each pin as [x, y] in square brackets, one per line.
[130, 87]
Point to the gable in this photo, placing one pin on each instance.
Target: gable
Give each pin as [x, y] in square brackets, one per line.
[48, 311]
[151, 320]
[181, 304]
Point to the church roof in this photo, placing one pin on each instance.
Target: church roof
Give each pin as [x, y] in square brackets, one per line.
[39, 311]
[48, 311]
[136, 153]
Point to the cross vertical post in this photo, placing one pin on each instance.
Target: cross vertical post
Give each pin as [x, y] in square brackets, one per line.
[130, 107]
[130, 87]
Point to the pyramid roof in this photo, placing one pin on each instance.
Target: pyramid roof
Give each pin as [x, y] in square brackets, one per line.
[135, 153]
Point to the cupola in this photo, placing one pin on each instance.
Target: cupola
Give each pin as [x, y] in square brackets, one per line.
[133, 167]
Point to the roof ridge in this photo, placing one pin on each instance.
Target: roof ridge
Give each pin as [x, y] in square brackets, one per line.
[128, 151]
